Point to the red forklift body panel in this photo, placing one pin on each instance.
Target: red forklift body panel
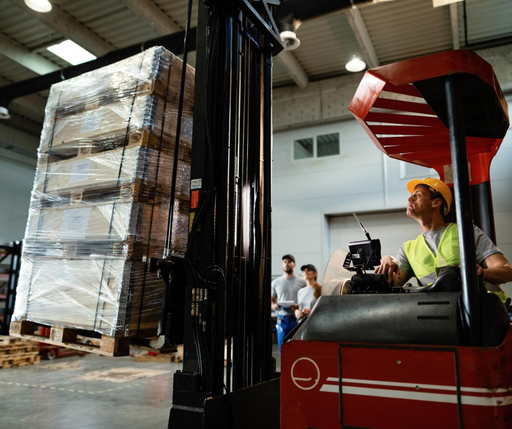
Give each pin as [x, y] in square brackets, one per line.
[349, 385]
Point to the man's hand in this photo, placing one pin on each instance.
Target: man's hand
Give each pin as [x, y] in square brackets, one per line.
[388, 266]
[479, 272]
[298, 314]
[274, 306]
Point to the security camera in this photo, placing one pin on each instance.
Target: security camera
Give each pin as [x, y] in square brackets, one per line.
[290, 40]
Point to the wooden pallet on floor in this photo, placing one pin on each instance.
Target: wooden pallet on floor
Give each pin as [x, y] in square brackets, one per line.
[17, 346]
[176, 356]
[70, 338]
[17, 352]
[9, 361]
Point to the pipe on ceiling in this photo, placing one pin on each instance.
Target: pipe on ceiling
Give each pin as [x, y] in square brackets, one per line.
[304, 10]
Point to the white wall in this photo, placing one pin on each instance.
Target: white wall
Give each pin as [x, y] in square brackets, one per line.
[17, 170]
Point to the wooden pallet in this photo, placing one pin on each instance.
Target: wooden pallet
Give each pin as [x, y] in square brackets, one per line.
[103, 169]
[154, 358]
[70, 143]
[77, 149]
[18, 346]
[135, 192]
[10, 361]
[70, 338]
[17, 352]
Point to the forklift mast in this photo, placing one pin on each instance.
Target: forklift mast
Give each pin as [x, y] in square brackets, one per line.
[227, 337]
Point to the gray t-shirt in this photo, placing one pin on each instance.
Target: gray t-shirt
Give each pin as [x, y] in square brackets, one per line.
[284, 289]
[306, 298]
[483, 245]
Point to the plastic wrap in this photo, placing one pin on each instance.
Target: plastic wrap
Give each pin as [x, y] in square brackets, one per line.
[103, 295]
[101, 197]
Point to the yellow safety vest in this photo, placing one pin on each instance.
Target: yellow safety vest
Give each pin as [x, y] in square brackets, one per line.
[426, 265]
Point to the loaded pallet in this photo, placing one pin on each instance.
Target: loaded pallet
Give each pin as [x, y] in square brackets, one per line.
[101, 202]
[77, 339]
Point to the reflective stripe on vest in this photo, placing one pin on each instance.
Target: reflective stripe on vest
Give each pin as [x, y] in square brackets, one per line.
[424, 263]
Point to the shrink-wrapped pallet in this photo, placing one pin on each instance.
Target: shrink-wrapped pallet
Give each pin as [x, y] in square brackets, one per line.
[101, 198]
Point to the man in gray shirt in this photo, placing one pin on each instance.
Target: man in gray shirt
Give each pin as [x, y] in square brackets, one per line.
[437, 246]
[285, 289]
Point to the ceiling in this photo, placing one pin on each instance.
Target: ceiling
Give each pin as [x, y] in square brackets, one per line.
[381, 33]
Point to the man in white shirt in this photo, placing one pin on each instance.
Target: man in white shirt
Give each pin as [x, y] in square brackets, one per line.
[285, 289]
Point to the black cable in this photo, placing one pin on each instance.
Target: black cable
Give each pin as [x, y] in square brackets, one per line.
[168, 239]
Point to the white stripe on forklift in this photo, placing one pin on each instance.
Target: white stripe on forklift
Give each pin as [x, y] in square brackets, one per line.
[419, 396]
[421, 386]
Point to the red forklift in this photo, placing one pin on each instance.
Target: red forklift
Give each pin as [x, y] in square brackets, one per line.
[432, 359]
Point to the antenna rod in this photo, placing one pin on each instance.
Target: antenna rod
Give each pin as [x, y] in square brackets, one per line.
[362, 226]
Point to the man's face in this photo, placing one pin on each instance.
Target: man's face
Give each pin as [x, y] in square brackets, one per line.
[420, 202]
[288, 265]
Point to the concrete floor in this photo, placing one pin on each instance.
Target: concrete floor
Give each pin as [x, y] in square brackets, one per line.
[89, 392]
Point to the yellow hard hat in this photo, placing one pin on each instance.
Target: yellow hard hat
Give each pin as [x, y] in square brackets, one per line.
[438, 185]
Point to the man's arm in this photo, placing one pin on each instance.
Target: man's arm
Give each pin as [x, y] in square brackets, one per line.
[495, 269]
[389, 269]
[273, 297]
[274, 305]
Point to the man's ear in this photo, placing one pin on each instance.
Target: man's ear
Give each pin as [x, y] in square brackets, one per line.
[437, 202]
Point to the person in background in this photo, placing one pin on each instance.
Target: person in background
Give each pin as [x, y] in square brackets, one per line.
[437, 246]
[285, 289]
[307, 297]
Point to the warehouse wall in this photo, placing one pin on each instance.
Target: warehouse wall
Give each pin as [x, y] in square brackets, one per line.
[17, 169]
[307, 193]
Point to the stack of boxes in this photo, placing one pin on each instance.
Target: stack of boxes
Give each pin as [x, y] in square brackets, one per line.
[101, 198]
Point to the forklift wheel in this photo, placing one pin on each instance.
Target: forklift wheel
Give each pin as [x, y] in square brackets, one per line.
[51, 355]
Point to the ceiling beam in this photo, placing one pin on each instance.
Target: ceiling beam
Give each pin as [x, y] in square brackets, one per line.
[22, 55]
[454, 18]
[293, 68]
[151, 13]
[71, 28]
[364, 40]
[162, 23]
[35, 103]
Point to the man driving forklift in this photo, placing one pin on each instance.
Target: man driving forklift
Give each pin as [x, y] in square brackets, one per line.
[437, 245]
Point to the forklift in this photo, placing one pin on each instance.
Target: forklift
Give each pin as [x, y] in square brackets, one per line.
[435, 358]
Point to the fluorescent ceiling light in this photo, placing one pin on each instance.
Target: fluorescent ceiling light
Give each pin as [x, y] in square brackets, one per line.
[355, 65]
[437, 3]
[43, 6]
[71, 52]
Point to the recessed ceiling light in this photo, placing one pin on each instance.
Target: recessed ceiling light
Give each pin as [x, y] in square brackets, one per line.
[71, 52]
[43, 6]
[355, 65]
